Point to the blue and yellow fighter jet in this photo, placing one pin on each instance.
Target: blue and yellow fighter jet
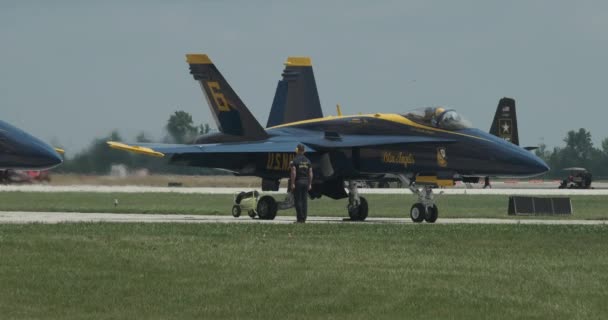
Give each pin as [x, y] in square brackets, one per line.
[20, 150]
[425, 148]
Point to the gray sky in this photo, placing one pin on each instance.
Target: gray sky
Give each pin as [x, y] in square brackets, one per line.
[71, 71]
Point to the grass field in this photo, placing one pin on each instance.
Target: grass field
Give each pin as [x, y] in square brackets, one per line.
[217, 271]
[455, 206]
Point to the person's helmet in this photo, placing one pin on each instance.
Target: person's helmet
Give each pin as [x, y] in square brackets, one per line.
[439, 111]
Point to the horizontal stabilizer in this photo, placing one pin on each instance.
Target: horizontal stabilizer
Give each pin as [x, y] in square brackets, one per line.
[134, 149]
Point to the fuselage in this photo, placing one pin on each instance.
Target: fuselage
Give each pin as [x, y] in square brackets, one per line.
[465, 152]
[20, 150]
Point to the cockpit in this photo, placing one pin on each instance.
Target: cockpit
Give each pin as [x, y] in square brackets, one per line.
[438, 117]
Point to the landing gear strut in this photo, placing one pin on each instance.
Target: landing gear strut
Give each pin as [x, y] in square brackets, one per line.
[425, 209]
[357, 206]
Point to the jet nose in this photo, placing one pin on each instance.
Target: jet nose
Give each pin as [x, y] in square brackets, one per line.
[51, 158]
[543, 166]
[43, 156]
[35, 154]
[538, 165]
[529, 165]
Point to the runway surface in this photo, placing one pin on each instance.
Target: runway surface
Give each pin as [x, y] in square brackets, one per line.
[504, 189]
[76, 217]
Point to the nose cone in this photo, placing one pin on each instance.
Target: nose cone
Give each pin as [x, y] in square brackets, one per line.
[518, 162]
[508, 160]
[19, 150]
[30, 154]
[529, 165]
[39, 155]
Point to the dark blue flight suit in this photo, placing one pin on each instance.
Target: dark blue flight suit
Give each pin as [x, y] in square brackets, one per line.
[300, 194]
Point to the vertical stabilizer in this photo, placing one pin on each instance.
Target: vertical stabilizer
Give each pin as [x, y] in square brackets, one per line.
[296, 97]
[504, 124]
[230, 113]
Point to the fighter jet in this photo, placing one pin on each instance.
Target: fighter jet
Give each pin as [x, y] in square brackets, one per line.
[22, 151]
[425, 148]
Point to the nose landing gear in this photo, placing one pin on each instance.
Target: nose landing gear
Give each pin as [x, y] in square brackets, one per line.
[357, 206]
[425, 209]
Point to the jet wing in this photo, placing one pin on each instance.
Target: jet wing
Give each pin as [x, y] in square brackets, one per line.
[160, 150]
[314, 144]
[331, 141]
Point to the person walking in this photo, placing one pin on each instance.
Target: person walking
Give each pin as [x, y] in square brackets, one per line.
[487, 183]
[301, 182]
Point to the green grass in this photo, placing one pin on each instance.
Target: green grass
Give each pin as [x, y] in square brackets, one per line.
[218, 271]
[461, 206]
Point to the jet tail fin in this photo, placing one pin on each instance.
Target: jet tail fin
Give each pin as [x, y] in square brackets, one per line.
[230, 113]
[504, 124]
[296, 97]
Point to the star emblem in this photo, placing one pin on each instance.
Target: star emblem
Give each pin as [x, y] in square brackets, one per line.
[505, 128]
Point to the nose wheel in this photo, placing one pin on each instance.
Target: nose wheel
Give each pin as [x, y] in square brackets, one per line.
[419, 212]
[357, 206]
[425, 209]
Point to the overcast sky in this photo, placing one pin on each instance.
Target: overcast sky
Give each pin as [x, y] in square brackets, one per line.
[70, 71]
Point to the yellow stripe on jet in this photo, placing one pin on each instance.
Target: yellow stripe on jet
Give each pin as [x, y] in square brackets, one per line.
[59, 150]
[435, 181]
[198, 59]
[384, 116]
[298, 62]
[135, 149]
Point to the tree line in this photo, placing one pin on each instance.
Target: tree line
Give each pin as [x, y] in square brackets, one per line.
[578, 152]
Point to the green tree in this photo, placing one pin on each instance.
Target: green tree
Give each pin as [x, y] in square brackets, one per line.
[204, 128]
[180, 127]
[579, 144]
[542, 152]
[98, 157]
[141, 137]
[605, 146]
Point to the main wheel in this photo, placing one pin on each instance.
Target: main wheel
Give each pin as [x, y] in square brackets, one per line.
[418, 212]
[432, 214]
[358, 213]
[236, 211]
[267, 208]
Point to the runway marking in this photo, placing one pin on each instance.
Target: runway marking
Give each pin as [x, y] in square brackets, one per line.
[16, 217]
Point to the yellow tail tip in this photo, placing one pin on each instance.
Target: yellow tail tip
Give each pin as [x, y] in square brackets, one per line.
[195, 58]
[299, 62]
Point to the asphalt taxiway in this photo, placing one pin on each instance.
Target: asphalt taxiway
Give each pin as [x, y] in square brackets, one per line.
[15, 217]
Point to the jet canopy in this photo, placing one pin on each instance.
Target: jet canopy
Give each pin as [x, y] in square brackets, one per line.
[438, 117]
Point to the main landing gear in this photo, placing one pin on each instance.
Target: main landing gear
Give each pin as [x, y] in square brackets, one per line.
[357, 206]
[425, 209]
